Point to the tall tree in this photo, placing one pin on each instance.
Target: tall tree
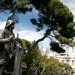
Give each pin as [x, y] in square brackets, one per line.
[30, 59]
[54, 67]
[59, 21]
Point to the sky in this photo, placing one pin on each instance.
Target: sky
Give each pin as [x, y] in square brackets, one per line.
[28, 31]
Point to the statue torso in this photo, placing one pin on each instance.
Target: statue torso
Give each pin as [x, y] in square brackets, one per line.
[4, 33]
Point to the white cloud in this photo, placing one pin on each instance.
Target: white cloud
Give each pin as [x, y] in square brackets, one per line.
[2, 24]
[35, 11]
[45, 43]
[31, 35]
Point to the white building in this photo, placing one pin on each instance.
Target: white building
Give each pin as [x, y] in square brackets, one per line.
[67, 57]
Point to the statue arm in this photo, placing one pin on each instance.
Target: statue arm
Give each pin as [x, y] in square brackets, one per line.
[6, 40]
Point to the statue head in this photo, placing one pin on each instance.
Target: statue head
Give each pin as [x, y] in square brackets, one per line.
[10, 24]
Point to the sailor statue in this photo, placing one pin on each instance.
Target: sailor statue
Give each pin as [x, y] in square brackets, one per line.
[6, 37]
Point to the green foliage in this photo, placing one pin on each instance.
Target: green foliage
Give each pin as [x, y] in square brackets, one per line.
[35, 63]
[26, 44]
[36, 47]
[30, 58]
[21, 3]
[56, 47]
[58, 18]
[63, 40]
[57, 68]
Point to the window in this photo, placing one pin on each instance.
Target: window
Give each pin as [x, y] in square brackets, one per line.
[67, 54]
[72, 50]
[62, 60]
[67, 61]
[72, 62]
[67, 49]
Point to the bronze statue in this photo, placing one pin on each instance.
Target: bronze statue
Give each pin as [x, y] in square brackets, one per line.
[6, 37]
[11, 50]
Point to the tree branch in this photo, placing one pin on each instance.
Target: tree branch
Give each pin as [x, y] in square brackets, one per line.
[51, 39]
[41, 39]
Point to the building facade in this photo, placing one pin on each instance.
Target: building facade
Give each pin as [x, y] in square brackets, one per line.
[67, 57]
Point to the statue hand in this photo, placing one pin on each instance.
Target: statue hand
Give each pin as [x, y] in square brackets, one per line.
[11, 37]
